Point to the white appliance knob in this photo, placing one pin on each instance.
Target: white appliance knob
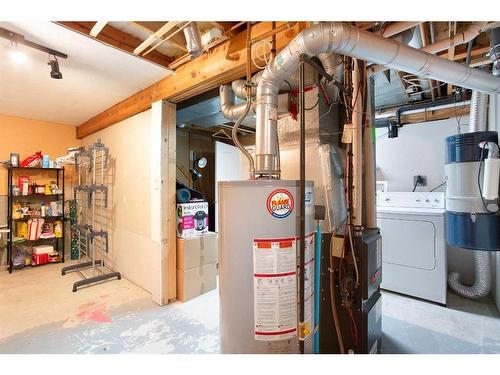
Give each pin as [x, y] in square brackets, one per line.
[427, 200]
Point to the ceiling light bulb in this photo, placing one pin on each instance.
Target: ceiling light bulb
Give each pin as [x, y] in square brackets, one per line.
[18, 57]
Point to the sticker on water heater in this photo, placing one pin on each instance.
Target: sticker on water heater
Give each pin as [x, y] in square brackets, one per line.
[280, 203]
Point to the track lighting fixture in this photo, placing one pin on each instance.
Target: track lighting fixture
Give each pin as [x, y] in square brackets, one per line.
[54, 68]
[19, 57]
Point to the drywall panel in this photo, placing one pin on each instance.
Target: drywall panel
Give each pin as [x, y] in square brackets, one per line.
[128, 220]
[419, 149]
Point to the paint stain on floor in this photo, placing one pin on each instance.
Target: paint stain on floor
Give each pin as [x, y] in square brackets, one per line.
[133, 328]
[89, 312]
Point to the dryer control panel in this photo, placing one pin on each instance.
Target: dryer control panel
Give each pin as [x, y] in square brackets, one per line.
[411, 200]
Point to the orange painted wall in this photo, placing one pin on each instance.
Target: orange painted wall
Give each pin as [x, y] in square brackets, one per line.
[26, 136]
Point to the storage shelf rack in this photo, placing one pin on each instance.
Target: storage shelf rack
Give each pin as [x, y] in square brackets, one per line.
[58, 242]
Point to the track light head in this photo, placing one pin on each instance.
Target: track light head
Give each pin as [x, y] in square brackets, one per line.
[54, 68]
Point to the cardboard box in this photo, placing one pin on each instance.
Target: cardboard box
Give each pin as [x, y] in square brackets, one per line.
[192, 219]
[43, 249]
[195, 281]
[197, 251]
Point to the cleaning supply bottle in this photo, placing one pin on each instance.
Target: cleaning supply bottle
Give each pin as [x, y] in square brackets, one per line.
[58, 230]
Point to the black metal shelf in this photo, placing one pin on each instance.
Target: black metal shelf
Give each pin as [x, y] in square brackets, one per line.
[59, 245]
[35, 168]
[37, 195]
[59, 217]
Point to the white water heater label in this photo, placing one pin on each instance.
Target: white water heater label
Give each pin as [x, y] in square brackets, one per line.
[275, 308]
[309, 282]
[275, 287]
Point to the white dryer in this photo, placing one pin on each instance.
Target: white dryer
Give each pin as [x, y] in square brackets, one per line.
[412, 226]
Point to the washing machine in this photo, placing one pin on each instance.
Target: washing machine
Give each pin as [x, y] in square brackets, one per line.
[412, 226]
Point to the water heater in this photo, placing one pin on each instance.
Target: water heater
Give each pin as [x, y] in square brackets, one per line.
[258, 286]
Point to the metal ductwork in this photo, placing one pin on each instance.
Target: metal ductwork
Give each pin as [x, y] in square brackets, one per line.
[193, 39]
[478, 117]
[463, 37]
[495, 50]
[229, 109]
[348, 40]
[482, 283]
[239, 86]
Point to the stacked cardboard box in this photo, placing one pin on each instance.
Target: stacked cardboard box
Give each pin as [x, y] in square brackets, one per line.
[196, 265]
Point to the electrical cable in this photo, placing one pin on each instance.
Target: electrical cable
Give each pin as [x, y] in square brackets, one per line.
[415, 186]
[353, 255]
[437, 187]
[354, 327]
[314, 106]
[332, 301]
[479, 178]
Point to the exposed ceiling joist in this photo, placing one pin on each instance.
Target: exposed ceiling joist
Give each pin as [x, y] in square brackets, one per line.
[116, 38]
[223, 25]
[461, 54]
[97, 28]
[223, 64]
[146, 27]
[156, 36]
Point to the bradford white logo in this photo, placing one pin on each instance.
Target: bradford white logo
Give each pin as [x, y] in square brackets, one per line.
[280, 203]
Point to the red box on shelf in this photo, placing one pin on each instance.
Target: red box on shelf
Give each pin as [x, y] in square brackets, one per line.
[39, 259]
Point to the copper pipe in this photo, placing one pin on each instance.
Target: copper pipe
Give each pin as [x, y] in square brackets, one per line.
[275, 31]
[249, 52]
[273, 41]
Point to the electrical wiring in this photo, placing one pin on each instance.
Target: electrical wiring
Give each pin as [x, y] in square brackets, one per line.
[382, 136]
[437, 187]
[314, 106]
[332, 301]
[257, 48]
[354, 327]
[415, 186]
[353, 255]
[479, 178]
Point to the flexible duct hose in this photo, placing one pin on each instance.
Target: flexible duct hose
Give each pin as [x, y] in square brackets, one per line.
[482, 283]
[478, 111]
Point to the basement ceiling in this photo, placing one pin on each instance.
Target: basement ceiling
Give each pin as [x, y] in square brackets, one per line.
[95, 76]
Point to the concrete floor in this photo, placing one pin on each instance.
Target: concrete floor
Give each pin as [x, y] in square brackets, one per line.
[40, 314]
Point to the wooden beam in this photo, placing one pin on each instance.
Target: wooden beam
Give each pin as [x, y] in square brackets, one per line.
[155, 37]
[116, 38]
[153, 26]
[223, 64]
[435, 114]
[461, 54]
[223, 25]
[97, 28]
[172, 41]
[169, 186]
